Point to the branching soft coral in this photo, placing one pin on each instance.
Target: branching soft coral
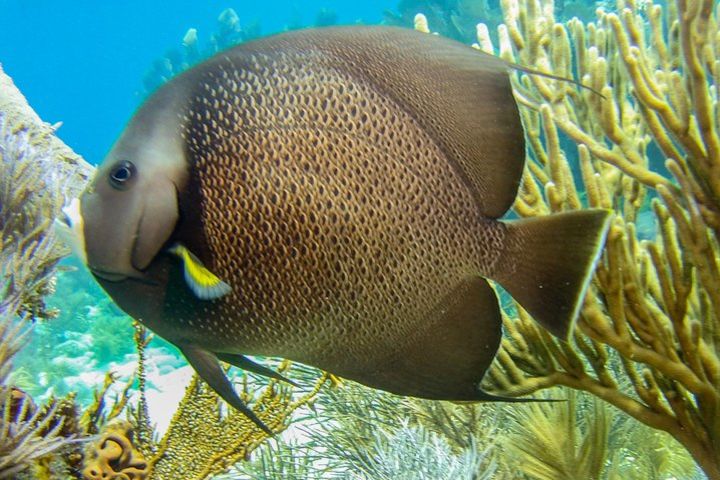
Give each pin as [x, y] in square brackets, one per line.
[27, 433]
[36, 171]
[649, 145]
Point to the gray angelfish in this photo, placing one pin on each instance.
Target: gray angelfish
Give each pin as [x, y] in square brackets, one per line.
[333, 197]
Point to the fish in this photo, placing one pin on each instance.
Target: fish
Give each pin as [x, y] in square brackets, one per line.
[335, 197]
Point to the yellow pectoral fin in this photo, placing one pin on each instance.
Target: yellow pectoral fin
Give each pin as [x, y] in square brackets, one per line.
[203, 283]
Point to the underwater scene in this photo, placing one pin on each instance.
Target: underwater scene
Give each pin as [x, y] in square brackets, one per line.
[390, 239]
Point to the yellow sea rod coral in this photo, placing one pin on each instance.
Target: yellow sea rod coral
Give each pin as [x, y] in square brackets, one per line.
[648, 339]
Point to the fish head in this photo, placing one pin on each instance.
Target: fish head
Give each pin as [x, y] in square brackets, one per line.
[130, 209]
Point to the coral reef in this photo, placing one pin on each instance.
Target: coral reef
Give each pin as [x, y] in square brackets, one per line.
[27, 433]
[356, 432]
[114, 456]
[584, 438]
[569, 455]
[205, 440]
[648, 338]
[36, 171]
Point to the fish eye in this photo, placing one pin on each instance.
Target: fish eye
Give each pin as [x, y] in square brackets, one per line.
[121, 174]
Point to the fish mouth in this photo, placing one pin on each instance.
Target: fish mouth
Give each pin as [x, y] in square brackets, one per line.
[109, 276]
[115, 277]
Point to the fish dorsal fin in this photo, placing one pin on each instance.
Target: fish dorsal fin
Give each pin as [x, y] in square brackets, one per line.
[461, 96]
[203, 283]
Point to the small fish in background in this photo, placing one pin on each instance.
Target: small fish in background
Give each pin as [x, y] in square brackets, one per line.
[332, 196]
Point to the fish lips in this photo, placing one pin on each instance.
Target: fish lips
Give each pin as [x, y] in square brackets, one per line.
[110, 276]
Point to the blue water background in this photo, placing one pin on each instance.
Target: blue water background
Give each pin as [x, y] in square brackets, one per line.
[82, 62]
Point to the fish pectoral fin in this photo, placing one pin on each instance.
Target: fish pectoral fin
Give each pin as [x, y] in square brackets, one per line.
[447, 356]
[203, 283]
[245, 363]
[207, 366]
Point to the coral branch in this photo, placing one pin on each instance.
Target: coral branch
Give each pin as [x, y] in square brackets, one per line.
[651, 319]
[37, 171]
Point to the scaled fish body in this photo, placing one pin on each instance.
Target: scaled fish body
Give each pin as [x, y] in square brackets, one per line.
[341, 188]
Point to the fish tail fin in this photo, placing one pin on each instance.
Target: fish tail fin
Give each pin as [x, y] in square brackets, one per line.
[548, 263]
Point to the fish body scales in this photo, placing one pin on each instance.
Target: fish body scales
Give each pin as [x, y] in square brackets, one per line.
[334, 215]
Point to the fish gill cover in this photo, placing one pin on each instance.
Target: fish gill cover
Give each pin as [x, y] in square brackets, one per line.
[646, 340]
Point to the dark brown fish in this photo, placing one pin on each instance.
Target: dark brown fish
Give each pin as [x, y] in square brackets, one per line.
[332, 196]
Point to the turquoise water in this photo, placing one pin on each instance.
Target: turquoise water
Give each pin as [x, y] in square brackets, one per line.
[83, 62]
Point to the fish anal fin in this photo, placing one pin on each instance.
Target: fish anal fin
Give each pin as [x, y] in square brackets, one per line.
[548, 262]
[207, 366]
[241, 361]
[447, 357]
